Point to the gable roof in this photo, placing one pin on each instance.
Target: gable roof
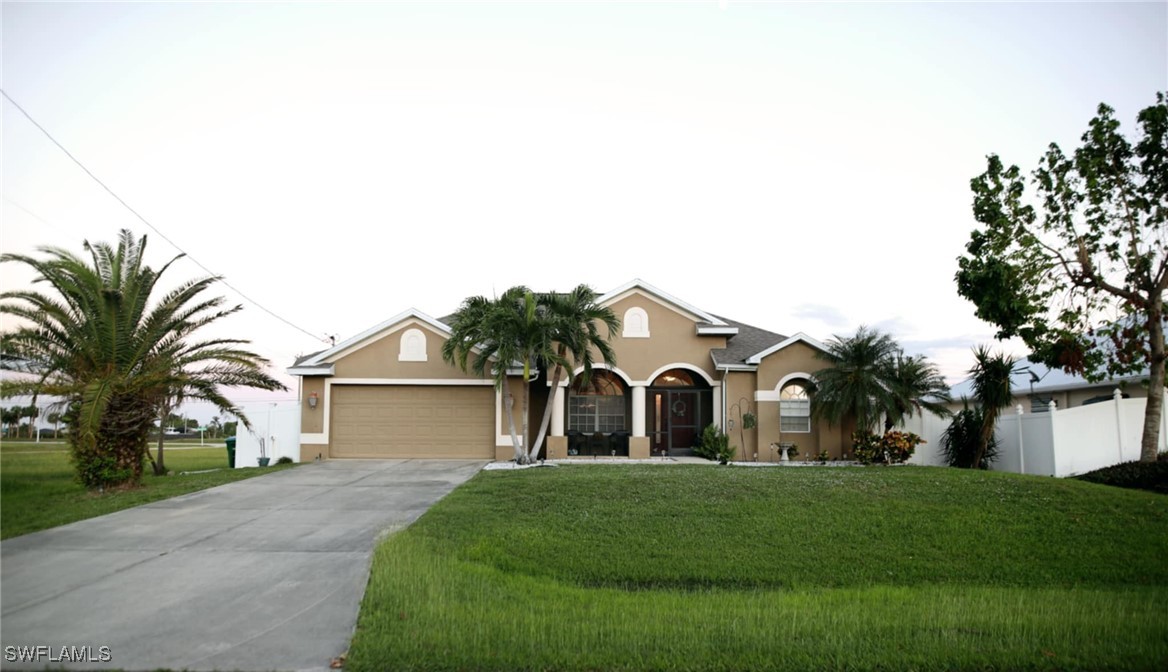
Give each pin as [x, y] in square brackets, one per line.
[702, 317]
[318, 363]
[797, 338]
[746, 345]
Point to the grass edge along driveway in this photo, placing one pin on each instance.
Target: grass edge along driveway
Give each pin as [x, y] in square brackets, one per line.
[38, 490]
[704, 568]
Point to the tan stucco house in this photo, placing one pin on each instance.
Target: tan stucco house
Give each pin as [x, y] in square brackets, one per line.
[386, 393]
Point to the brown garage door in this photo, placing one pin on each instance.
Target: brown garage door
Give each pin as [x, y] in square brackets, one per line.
[412, 421]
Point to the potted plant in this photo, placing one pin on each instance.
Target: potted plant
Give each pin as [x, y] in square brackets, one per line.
[263, 459]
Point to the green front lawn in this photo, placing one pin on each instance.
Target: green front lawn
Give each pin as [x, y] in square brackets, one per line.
[38, 490]
[708, 568]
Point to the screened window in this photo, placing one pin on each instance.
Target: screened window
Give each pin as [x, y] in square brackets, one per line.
[794, 408]
[598, 406]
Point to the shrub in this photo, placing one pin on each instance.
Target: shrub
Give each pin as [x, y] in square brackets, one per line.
[899, 446]
[866, 447]
[714, 445]
[892, 448]
[960, 439]
[284, 460]
[1151, 476]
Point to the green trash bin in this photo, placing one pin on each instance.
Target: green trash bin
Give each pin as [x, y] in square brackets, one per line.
[231, 451]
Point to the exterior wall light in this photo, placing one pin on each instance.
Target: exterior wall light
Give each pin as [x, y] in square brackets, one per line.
[312, 400]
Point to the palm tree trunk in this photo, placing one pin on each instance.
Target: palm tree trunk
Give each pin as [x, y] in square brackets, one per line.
[509, 405]
[988, 425]
[526, 403]
[160, 465]
[549, 408]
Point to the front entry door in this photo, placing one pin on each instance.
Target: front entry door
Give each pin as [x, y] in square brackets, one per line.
[675, 420]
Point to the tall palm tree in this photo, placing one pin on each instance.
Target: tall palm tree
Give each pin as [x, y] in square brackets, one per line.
[101, 342]
[493, 331]
[916, 385]
[855, 382]
[991, 390]
[575, 321]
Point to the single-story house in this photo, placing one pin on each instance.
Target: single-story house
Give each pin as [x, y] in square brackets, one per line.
[387, 393]
[1033, 386]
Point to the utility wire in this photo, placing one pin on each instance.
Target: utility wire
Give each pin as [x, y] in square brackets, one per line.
[153, 228]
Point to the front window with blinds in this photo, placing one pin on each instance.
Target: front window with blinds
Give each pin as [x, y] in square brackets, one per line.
[598, 406]
[794, 408]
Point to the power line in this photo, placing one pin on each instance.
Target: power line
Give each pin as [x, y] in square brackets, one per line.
[153, 228]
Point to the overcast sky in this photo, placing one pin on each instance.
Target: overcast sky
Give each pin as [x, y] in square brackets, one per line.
[799, 167]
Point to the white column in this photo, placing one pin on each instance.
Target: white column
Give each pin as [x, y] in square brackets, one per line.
[638, 410]
[1118, 397]
[718, 406]
[557, 402]
[1052, 410]
[1021, 444]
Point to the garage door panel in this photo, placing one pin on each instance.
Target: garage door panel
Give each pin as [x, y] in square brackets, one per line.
[396, 421]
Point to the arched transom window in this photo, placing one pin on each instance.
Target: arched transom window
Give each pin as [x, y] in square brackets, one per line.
[675, 378]
[794, 408]
[599, 405]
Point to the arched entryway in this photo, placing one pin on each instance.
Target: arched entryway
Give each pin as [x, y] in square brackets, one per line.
[679, 404]
[599, 415]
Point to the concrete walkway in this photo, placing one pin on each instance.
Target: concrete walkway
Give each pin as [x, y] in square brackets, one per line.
[262, 574]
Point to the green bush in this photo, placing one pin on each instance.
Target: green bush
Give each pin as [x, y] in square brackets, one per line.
[892, 448]
[714, 445]
[284, 460]
[1151, 476]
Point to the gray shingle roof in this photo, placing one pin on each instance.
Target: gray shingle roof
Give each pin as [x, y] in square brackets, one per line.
[748, 341]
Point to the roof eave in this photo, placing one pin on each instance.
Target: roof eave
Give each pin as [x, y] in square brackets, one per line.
[799, 337]
[639, 283]
[322, 370]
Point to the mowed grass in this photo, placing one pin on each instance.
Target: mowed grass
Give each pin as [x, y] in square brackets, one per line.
[38, 489]
[708, 568]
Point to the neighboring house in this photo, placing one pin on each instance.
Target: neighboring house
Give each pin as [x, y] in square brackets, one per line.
[1035, 385]
[386, 393]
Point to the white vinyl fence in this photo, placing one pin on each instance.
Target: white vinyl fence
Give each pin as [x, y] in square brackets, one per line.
[275, 426]
[1057, 442]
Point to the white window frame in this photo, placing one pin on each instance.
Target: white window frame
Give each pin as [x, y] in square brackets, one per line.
[799, 408]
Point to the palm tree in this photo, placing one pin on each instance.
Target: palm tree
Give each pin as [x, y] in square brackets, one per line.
[991, 389]
[916, 385]
[856, 381]
[54, 418]
[100, 342]
[492, 331]
[10, 417]
[169, 403]
[574, 320]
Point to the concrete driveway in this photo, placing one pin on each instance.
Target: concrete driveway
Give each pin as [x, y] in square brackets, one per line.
[263, 574]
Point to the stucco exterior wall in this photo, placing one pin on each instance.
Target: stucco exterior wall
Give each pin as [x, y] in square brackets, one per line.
[312, 419]
[380, 359]
[740, 389]
[797, 358]
[672, 338]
